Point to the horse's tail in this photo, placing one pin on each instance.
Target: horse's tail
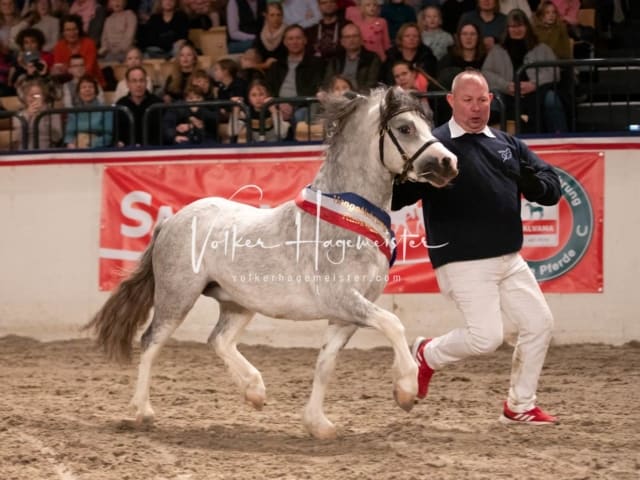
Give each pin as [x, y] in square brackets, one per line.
[126, 310]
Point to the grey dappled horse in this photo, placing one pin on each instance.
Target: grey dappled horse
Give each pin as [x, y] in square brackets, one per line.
[371, 141]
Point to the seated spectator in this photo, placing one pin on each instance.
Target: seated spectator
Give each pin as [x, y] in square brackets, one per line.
[397, 13]
[38, 16]
[88, 129]
[166, 29]
[468, 51]
[251, 66]
[74, 42]
[133, 58]
[433, 36]
[201, 14]
[227, 83]
[299, 74]
[409, 47]
[70, 96]
[92, 14]
[301, 12]
[354, 62]
[182, 66]
[550, 29]
[36, 98]
[323, 37]
[118, 33]
[492, 23]
[9, 19]
[373, 28]
[276, 128]
[339, 85]
[537, 88]
[190, 125]
[138, 99]
[201, 79]
[268, 43]
[452, 11]
[408, 77]
[507, 5]
[6, 66]
[244, 22]
[31, 62]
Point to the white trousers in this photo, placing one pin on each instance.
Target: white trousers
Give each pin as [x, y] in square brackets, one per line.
[489, 292]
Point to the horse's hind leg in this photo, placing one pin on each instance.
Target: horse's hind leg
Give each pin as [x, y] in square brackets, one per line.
[233, 320]
[313, 416]
[168, 315]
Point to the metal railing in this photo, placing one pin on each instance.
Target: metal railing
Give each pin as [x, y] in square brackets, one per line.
[308, 102]
[592, 104]
[103, 109]
[6, 120]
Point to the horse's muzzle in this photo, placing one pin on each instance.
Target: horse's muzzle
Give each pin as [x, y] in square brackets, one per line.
[436, 171]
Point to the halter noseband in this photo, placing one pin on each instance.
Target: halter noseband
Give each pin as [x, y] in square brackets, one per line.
[408, 161]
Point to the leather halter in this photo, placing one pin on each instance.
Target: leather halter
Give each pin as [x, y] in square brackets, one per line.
[408, 161]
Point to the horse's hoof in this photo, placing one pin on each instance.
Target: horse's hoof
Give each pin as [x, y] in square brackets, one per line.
[324, 432]
[405, 400]
[255, 398]
[143, 420]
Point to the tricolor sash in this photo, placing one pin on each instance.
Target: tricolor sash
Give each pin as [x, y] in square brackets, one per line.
[351, 212]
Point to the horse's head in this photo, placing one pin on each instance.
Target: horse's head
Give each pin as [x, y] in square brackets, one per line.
[406, 145]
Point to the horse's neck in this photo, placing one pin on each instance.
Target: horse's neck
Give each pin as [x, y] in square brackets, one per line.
[360, 172]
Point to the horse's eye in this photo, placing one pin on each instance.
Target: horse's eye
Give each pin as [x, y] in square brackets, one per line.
[405, 129]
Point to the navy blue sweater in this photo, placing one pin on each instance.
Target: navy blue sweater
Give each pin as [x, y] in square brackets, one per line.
[478, 215]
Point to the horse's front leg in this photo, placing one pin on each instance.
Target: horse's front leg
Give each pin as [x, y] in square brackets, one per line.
[313, 416]
[233, 320]
[405, 368]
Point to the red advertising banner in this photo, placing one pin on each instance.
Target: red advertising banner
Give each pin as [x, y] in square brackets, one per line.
[563, 243]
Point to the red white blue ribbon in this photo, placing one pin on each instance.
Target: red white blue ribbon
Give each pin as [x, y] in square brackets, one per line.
[351, 212]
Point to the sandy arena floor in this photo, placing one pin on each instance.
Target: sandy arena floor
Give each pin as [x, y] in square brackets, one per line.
[64, 416]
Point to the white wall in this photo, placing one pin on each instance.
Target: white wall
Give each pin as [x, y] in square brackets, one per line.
[49, 267]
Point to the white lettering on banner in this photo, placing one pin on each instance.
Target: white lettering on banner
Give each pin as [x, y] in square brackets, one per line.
[144, 219]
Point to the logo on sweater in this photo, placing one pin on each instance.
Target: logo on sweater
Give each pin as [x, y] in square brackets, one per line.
[505, 154]
[566, 242]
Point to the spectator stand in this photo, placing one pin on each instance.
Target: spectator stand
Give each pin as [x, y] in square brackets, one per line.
[309, 129]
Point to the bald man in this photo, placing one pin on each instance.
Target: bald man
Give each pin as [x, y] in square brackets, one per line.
[476, 225]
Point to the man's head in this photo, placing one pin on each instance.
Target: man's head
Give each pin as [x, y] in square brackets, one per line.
[470, 101]
[137, 82]
[328, 8]
[295, 40]
[350, 38]
[77, 66]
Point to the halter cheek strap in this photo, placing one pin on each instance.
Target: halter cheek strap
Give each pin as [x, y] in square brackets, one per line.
[385, 129]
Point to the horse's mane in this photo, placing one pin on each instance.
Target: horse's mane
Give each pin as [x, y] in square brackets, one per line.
[339, 109]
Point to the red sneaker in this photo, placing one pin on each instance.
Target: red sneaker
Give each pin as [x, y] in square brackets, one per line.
[535, 416]
[424, 370]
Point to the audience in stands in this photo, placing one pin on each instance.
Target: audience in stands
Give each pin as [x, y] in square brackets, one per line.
[373, 28]
[201, 14]
[88, 129]
[299, 75]
[251, 66]
[268, 43]
[185, 62]
[244, 22]
[323, 38]
[73, 41]
[138, 100]
[133, 58]
[537, 87]
[6, 66]
[397, 13]
[31, 61]
[40, 17]
[339, 84]
[275, 127]
[301, 12]
[189, 124]
[408, 77]
[77, 70]
[433, 36]
[354, 62]
[492, 23]
[36, 97]
[166, 29]
[550, 29]
[409, 47]
[92, 14]
[468, 51]
[118, 33]
[9, 18]
[452, 11]
[201, 79]
[507, 5]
